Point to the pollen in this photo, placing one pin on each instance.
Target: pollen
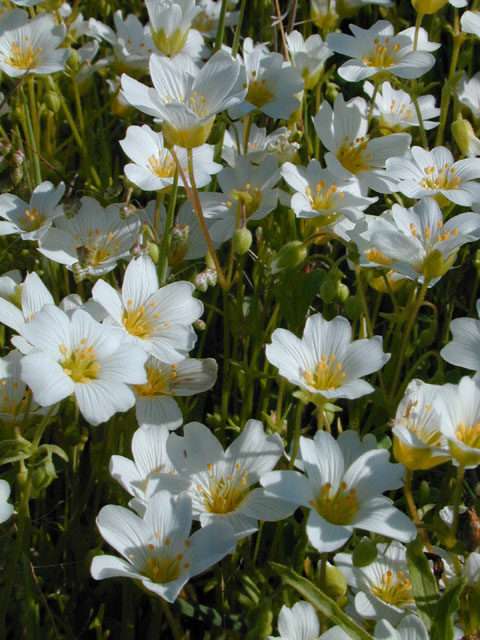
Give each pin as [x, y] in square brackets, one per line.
[337, 507]
[22, 57]
[470, 436]
[326, 376]
[394, 589]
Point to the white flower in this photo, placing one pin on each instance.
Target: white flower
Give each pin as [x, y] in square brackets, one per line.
[308, 56]
[434, 173]
[154, 167]
[470, 23]
[396, 111]
[469, 93]
[79, 356]
[156, 404]
[158, 320]
[248, 194]
[32, 296]
[158, 548]
[32, 47]
[298, 623]
[14, 395]
[96, 238]
[258, 145]
[150, 470]
[325, 363]
[221, 481]
[319, 194]
[464, 349]
[351, 154]
[207, 20]
[185, 97]
[31, 220]
[418, 442]
[459, 408]
[6, 509]
[271, 83]
[170, 21]
[377, 49]
[383, 589]
[417, 243]
[343, 488]
[132, 42]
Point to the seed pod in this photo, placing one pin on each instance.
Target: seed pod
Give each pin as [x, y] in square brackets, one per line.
[242, 240]
[290, 255]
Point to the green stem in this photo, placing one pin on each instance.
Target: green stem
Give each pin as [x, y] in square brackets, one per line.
[236, 39]
[447, 88]
[76, 134]
[220, 26]
[456, 500]
[418, 23]
[406, 334]
[413, 510]
[31, 140]
[296, 435]
[167, 232]
[171, 620]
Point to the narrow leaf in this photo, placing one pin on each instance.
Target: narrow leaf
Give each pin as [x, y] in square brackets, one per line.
[321, 602]
[442, 625]
[424, 585]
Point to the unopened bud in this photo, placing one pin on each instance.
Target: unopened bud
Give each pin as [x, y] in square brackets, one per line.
[201, 282]
[127, 211]
[242, 240]
[79, 272]
[342, 292]
[427, 7]
[73, 61]
[335, 583]
[18, 158]
[465, 138]
[52, 101]
[16, 175]
[290, 255]
[200, 325]
[153, 251]
[5, 146]
[211, 275]
[364, 553]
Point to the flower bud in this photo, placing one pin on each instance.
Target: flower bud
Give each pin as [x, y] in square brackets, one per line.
[342, 292]
[242, 240]
[52, 101]
[18, 158]
[201, 282]
[364, 553]
[427, 7]
[335, 583]
[465, 138]
[290, 255]
[153, 251]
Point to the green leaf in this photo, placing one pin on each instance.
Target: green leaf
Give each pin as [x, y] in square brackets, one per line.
[209, 616]
[442, 625]
[14, 450]
[321, 602]
[53, 448]
[424, 585]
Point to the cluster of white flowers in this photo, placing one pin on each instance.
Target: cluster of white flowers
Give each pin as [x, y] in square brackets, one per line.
[405, 212]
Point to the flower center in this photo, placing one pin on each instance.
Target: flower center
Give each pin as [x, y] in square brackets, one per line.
[338, 508]
[158, 382]
[32, 220]
[383, 54]
[23, 58]
[224, 495]
[98, 248]
[443, 178]
[394, 589]
[469, 435]
[327, 375]
[138, 322]
[197, 104]
[160, 567]
[374, 255]
[258, 93]
[325, 197]
[12, 403]
[351, 155]
[249, 197]
[81, 364]
[162, 166]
